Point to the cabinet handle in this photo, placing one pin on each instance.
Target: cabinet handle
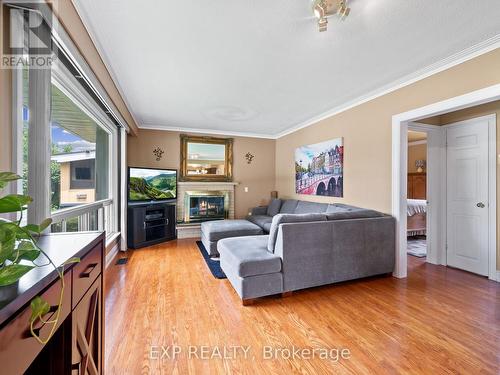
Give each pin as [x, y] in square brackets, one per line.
[88, 270]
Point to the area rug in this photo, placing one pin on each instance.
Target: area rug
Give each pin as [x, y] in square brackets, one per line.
[417, 246]
[212, 263]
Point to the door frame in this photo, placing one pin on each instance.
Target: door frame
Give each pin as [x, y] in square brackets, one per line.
[436, 183]
[493, 274]
[400, 124]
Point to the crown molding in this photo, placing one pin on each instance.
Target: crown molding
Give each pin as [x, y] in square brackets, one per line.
[204, 131]
[449, 62]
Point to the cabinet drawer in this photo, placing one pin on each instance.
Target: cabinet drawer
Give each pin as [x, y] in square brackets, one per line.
[85, 272]
[18, 348]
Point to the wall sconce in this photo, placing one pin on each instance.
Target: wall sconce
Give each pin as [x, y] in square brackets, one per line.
[158, 153]
[249, 157]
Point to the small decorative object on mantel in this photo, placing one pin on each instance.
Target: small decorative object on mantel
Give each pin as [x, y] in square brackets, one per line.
[158, 152]
[249, 157]
[420, 165]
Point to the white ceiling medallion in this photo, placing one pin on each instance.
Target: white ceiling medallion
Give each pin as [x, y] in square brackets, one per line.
[324, 8]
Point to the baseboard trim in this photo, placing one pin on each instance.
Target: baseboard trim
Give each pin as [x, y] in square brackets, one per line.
[112, 254]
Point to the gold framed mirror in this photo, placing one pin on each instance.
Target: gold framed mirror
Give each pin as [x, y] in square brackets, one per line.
[206, 158]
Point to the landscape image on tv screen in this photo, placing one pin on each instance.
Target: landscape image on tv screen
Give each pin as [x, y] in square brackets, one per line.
[152, 184]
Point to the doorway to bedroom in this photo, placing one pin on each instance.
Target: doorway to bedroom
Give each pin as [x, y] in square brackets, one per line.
[451, 191]
[417, 195]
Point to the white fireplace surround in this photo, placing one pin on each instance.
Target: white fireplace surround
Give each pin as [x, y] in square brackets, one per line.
[187, 186]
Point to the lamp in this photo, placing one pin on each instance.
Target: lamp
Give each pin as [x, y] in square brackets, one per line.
[420, 165]
[324, 8]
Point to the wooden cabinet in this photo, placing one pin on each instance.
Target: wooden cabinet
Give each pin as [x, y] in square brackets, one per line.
[150, 224]
[86, 333]
[417, 186]
[77, 345]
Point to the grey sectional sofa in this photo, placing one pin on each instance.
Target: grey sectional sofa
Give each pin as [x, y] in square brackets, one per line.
[306, 244]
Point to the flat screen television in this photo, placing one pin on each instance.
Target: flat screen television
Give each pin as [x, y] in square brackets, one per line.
[148, 184]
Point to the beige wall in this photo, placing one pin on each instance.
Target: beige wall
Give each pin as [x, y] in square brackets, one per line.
[367, 132]
[416, 152]
[257, 176]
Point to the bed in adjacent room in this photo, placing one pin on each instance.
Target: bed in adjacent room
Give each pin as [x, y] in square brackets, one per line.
[417, 217]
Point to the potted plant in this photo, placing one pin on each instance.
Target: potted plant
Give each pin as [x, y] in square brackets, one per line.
[19, 253]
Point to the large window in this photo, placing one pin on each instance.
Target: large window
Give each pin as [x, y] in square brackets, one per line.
[79, 152]
[67, 148]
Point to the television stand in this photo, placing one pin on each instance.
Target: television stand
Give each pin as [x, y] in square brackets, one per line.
[150, 224]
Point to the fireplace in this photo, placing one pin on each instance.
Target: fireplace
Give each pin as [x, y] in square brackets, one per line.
[203, 206]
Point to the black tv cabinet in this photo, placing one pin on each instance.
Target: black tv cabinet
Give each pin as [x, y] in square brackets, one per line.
[150, 224]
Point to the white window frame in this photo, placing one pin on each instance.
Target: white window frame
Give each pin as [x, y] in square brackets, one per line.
[113, 205]
[69, 86]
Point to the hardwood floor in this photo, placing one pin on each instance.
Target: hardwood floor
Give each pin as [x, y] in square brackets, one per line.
[438, 321]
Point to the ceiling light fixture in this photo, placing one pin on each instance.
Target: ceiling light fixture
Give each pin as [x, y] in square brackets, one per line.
[324, 8]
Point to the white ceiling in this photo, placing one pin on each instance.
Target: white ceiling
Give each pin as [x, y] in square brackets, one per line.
[261, 67]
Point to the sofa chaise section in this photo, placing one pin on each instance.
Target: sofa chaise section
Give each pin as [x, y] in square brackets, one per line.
[314, 249]
[252, 270]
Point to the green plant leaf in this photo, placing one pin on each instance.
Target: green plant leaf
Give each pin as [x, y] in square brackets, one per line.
[9, 225]
[38, 228]
[6, 177]
[14, 203]
[44, 224]
[72, 260]
[30, 255]
[32, 228]
[11, 273]
[7, 243]
[27, 250]
[39, 308]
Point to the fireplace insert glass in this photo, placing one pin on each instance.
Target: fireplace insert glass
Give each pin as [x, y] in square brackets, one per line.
[206, 208]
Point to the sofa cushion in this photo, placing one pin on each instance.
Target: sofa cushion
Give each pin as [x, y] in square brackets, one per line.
[289, 218]
[260, 220]
[354, 214]
[274, 207]
[248, 256]
[288, 206]
[218, 229]
[335, 208]
[340, 207]
[310, 208]
[267, 227]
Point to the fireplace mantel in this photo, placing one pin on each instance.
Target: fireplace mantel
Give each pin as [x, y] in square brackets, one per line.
[207, 184]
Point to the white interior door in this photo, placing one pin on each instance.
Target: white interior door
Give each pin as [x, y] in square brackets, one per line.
[467, 196]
